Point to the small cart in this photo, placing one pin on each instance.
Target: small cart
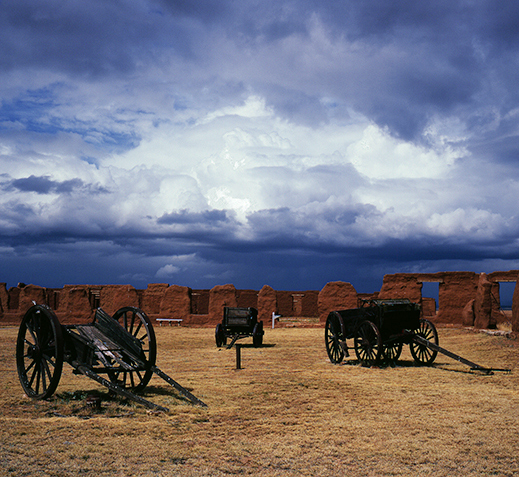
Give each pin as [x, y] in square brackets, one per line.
[122, 346]
[239, 323]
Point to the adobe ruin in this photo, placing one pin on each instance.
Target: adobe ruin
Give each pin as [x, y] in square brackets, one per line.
[464, 299]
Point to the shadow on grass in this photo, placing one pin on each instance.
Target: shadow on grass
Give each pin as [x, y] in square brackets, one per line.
[412, 364]
[250, 345]
[82, 395]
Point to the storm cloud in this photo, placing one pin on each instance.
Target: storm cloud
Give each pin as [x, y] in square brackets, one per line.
[287, 143]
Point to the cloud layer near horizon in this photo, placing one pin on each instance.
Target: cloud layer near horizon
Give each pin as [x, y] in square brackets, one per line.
[289, 143]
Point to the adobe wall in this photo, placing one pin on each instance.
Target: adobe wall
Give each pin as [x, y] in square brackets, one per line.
[4, 297]
[401, 285]
[174, 302]
[336, 296]
[152, 298]
[267, 304]
[74, 305]
[464, 298]
[455, 291]
[219, 297]
[114, 297]
[247, 298]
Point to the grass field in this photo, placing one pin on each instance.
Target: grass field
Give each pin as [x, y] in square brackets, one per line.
[288, 412]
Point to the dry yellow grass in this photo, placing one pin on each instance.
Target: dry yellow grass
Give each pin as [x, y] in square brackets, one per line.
[288, 412]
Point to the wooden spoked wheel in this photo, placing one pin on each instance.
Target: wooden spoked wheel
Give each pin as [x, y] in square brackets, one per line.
[333, 339]
[137, 323]
[219, 334]
[368, 343]
[257, 335]
[421, 353]
[391, 352]
[39, 352]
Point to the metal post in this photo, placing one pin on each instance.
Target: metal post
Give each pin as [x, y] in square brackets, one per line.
[274, 318]
[238, 356]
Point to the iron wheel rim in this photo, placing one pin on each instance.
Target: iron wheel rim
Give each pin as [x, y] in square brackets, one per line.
[39, 352]
[421, 353]
[368, 343]
[137, 323]
[333, 338]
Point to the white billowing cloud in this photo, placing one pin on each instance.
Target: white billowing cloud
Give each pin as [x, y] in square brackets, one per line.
[167, 271]
[245, 158]
[380, 156]
[229, 161]
[474, 223]
[192, 265]
[253, 107]
[224, 198]
[177, 264]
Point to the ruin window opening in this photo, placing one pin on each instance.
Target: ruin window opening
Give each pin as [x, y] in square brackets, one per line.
[199, 302]
[506, 293]
[94, 297]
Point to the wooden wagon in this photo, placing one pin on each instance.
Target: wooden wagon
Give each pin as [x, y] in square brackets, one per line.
[123, 347]
[379, 329]
[238, 323]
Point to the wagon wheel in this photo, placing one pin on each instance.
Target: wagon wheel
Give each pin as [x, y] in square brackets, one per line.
[137, 323]
[421, 353]
[368, 343]
[333, 338]
[39, 352]
[257, 335]
[219, 333]
[391, 352]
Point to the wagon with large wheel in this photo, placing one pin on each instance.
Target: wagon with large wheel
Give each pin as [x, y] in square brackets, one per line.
[123, 347]
[239, 323]
[379, 329]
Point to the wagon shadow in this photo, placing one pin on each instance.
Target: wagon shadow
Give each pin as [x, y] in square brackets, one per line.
[167, 391]
[409, 364]
[251, 345]
[81, 396]
[441, 366]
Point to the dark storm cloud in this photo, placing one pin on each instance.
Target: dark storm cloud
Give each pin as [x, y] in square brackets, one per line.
[94, 38]
[44, 185]
[238, 141]
[211, 217]
[209, 11]
[444, 53]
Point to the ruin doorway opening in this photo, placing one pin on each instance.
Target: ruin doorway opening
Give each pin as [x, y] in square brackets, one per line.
[430, 298]
[502, 296]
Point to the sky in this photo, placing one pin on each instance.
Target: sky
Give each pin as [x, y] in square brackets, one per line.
[288, 143]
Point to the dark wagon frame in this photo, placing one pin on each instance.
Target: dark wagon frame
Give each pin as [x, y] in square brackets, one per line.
[238, 323]
[379, 330]
[123, 347]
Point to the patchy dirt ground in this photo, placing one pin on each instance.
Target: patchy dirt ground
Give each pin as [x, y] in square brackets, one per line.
[288, 412]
